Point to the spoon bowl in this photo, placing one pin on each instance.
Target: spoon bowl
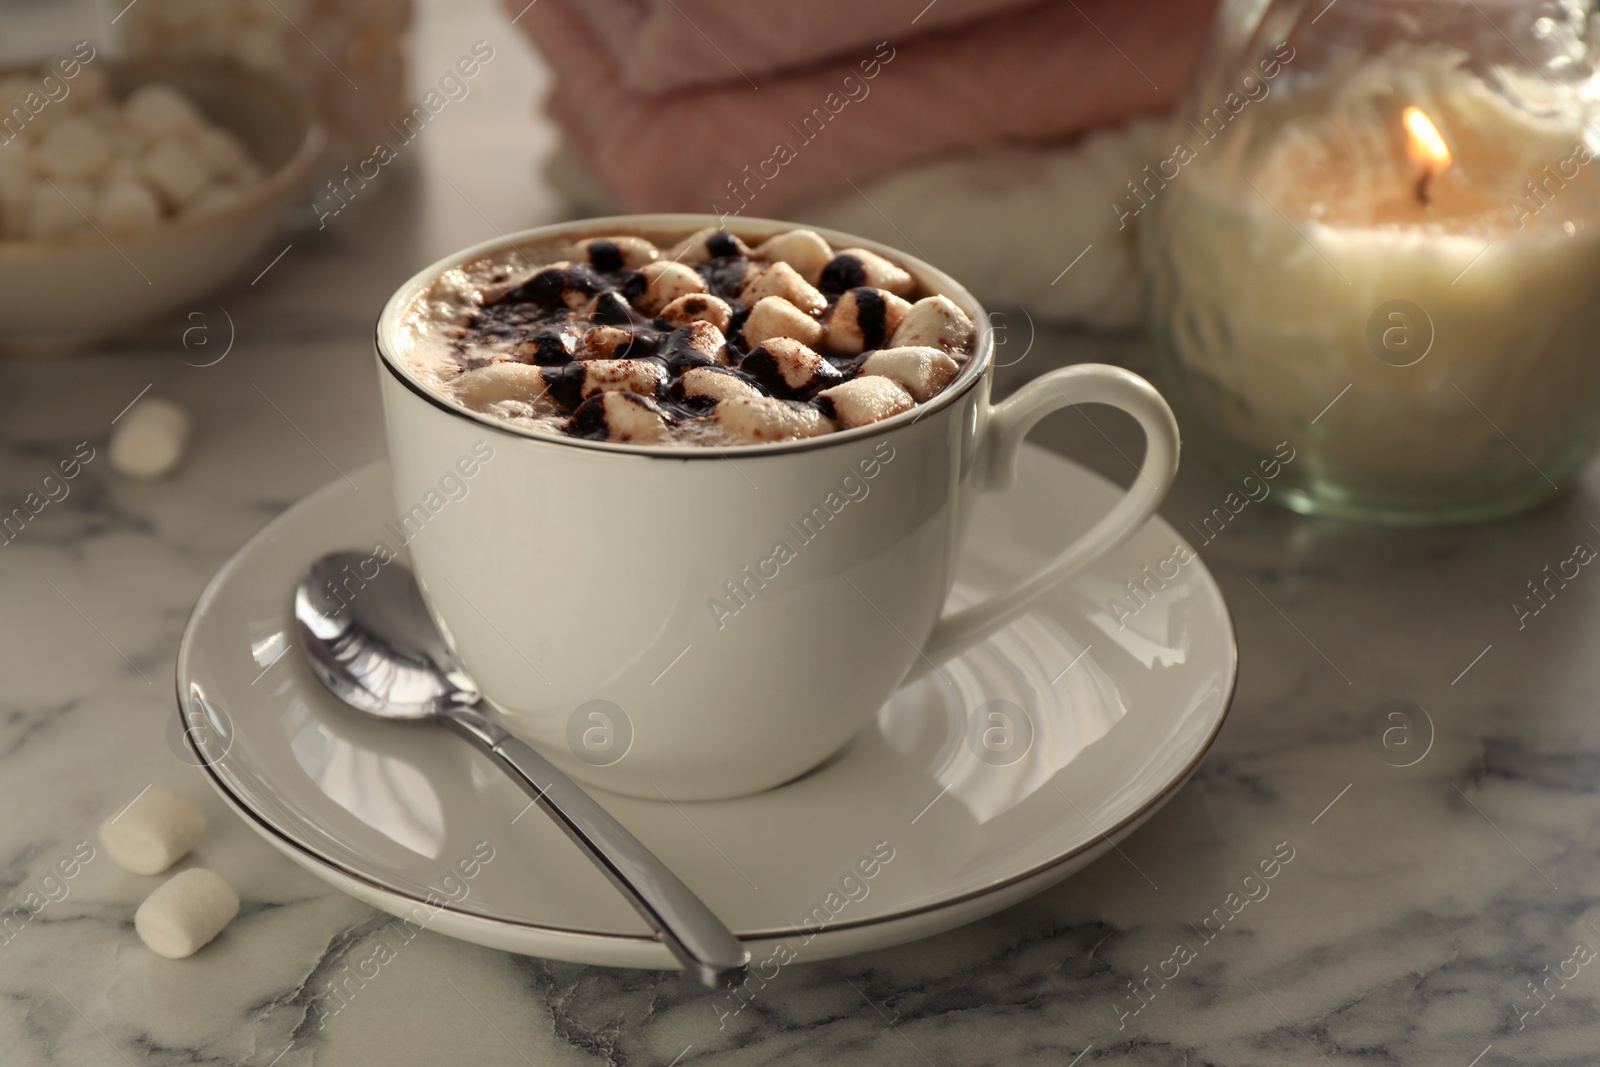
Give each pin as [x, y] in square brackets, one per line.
[372, 641]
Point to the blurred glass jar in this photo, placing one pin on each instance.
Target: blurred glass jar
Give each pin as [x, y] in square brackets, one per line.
[1376, 240]
[346, 55]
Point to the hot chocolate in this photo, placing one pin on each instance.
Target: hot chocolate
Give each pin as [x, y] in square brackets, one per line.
[707, 341]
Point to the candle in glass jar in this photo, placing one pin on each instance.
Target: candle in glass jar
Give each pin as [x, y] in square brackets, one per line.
[1417, 263]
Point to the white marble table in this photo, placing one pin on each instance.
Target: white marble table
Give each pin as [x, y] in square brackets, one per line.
[1424, 906]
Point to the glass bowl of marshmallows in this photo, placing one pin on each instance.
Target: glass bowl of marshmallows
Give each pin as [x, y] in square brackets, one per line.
[129, 190]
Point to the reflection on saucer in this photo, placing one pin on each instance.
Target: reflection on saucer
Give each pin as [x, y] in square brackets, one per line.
[1003, 730]
[382, 790]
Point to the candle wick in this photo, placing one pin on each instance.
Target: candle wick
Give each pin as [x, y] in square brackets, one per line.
[1422, 186]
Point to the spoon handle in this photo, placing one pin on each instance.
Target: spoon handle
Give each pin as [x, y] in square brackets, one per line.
[689, 929]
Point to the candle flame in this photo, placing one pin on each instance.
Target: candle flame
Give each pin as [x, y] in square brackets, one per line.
[1425, 147]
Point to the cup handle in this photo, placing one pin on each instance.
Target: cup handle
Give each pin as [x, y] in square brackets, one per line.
[1009, 423]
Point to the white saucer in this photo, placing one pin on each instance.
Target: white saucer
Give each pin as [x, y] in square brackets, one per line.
[1120, 716]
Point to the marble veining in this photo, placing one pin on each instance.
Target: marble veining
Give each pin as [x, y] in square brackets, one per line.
[1442, 890]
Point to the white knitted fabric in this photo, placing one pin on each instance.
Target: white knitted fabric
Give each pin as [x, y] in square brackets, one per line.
[1005, 221]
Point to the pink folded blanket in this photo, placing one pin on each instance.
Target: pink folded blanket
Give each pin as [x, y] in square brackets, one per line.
[1040, 74]
[667, 44]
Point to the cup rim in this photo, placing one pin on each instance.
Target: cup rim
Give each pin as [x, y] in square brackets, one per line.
[932, 278]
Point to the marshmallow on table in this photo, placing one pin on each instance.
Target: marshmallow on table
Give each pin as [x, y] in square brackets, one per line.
[155, 831]
[185, 912]
[149, 438]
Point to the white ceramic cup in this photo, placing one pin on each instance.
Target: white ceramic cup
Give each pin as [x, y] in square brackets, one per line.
[695, 623]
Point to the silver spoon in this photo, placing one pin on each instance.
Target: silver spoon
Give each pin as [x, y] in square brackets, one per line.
[379, 651]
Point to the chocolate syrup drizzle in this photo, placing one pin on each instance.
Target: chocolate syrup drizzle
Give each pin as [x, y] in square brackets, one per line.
[533, 321]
